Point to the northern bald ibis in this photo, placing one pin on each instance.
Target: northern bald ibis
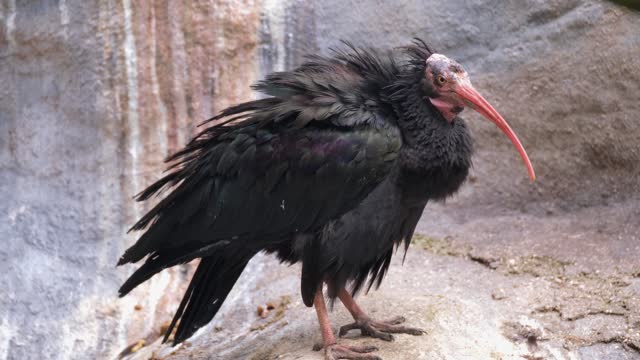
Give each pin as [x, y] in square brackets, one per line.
[332, 168]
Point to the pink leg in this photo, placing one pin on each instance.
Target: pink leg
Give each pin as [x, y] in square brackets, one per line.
[350, 304]
[333, 351]
[377, 329]
[323, 319]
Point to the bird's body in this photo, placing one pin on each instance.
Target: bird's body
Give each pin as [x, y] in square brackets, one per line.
[332, 169]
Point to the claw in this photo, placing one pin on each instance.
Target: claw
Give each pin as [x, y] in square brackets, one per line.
[381, 329]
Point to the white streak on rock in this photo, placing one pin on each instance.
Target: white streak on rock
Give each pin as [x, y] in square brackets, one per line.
[275, 13]
[11, 23]
[64, 17]
[162, 129]
[180, 69]
[6, 334]
[131, 64]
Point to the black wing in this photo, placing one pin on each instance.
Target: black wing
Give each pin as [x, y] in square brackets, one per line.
[256, 186]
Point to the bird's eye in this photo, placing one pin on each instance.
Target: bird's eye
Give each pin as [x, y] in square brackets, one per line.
[441, 79]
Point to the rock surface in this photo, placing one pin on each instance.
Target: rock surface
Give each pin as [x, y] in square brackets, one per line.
[95, 94]
[93, 97]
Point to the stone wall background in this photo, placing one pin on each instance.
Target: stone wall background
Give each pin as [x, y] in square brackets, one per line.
[94, 94]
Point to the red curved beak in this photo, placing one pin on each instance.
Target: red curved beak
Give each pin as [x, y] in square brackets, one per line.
[475, 101]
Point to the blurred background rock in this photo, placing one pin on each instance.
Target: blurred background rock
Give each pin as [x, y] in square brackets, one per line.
[94, 94]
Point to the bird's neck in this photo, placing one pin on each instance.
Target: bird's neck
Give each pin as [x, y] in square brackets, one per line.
[436, 153]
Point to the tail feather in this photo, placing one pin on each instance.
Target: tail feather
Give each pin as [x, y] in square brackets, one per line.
[209, 287]
[159, 261]
[203, 268]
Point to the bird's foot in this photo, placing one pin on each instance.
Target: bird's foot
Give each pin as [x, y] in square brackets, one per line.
[335, 352]
[381, 329]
